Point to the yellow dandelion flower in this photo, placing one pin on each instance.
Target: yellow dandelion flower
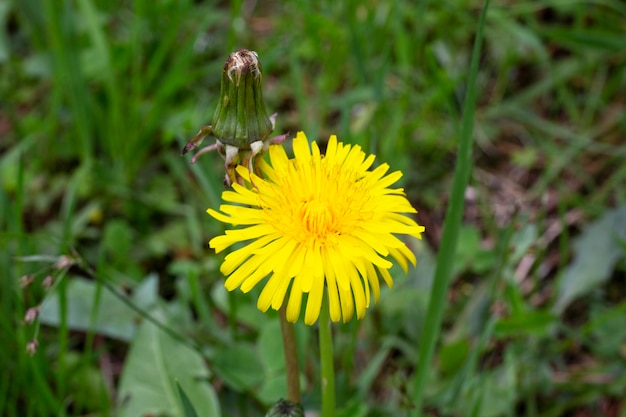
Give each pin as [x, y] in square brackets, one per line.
[316, 222]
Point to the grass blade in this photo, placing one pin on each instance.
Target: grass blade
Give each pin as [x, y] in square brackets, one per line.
[452, 225]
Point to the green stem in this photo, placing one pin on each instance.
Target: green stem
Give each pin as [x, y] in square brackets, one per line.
[326, 359]
[291, 357]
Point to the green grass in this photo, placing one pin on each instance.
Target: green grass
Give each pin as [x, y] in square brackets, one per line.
[452, 225]
[97, 99]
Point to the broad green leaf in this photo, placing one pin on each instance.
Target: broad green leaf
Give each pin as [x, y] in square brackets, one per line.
[403, 307]
[499, 389]
[113, 318]
[468, 245]
[155, 364]
[596, 252]
[247, 312]
[272, 357]
[271, 350]
[608, 330]
[239, 366]
[526, 323]
[117, 239]
[355, 408]
[522, 241]
[188, 407]
[453, 355]
[471, 320]
[86, 381]
[273, 387]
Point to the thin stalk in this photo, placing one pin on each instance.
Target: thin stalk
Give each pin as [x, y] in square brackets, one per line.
[326, 359]
[452, 225]
[291, 356]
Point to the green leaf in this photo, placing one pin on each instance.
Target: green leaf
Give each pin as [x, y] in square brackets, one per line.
[155, 365]
[608, 330]
[355, 408]
[526, 323]
[239, 366]
[499, 388]
[113, 319]
[597, 251]
[86, 381]
[118, 239]
[188, 408]
[5, 9]
[273, 387]
[272, 358]
[453, 355]
[271, 351]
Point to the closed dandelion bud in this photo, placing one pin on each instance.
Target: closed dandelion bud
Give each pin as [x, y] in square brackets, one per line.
[240, 122]
[285, 408]
[240, 117]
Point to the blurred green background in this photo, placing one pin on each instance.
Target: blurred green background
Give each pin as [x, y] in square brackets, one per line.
[98, 97]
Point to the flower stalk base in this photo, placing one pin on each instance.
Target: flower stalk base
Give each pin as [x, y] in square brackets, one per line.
[291, 357]
[326, 360]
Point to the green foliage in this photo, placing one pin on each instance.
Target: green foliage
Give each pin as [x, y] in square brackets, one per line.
[157, 367]
[90, 307]
[188, 408]
[597, 250]
[97, 99]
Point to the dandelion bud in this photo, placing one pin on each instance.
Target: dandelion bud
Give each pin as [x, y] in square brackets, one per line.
[240, 117]
[285, 408]
[240, 122]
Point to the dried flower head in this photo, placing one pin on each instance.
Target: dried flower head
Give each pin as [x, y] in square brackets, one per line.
[31, 314]
[47, 282]
[31, 347]
[65, 262]
[26, 280]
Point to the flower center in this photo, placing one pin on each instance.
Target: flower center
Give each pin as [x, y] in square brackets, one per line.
[317, 218]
